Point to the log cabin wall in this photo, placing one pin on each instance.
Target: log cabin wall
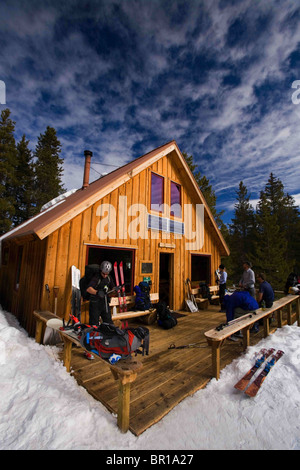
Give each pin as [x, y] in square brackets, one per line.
[69, 243]
[21, 279]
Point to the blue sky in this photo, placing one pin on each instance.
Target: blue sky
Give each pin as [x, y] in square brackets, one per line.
[121, 77]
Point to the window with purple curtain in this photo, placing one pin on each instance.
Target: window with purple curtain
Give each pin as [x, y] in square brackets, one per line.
[175, 200]
[157, 192]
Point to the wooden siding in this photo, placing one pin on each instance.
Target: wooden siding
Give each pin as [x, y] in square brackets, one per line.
[23, 300]
[68, 244]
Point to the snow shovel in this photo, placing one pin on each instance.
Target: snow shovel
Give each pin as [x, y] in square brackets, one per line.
[189, 303]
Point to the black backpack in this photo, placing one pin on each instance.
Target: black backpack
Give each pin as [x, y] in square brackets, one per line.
[291, 281]
[204, 291]
[142, 296]
[165, 319]
[91, 270]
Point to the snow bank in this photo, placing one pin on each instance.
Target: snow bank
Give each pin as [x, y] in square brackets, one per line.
[42, 407]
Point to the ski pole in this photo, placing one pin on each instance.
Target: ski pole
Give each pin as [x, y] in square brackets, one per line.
[192, 345]
[236, 320]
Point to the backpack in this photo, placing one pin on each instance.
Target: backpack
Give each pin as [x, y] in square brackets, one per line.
[142, 298]
[91, 270]
[165, 318]
[204, 291]
[291, 281]
[107, 339]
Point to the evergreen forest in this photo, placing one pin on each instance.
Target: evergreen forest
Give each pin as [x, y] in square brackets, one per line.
[267, 236]
[28, 180]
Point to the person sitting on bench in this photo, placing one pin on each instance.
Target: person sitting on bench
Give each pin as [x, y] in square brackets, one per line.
[265, 292]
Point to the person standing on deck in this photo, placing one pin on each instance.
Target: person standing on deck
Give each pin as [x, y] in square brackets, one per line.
[248, 279]
[99, 286]
[222, 278]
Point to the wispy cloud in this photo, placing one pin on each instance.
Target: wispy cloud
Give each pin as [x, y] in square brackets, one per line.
[121, 78]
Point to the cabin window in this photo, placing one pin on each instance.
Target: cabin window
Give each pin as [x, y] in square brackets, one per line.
[146, 267]
[157, 192]
[200, 267]
[176, 200]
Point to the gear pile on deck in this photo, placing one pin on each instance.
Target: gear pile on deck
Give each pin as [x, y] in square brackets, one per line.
[107, 339]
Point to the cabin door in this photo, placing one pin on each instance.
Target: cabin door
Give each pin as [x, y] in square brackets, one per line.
[97, 254]
[166, 278]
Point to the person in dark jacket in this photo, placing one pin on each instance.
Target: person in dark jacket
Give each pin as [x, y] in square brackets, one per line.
[239, 303]
[265, 292]
[99, 287]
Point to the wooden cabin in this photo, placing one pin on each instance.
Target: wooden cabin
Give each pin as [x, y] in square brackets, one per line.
[148, 213]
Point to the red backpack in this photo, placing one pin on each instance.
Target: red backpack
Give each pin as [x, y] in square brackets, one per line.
[107, 339]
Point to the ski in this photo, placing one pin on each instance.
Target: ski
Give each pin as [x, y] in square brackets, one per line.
[253, 388]
[118, 285]
[245, 380]
[236, 320]
[76, 295]
[123, 287]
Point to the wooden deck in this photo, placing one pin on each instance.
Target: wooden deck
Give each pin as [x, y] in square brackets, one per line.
[168, 375]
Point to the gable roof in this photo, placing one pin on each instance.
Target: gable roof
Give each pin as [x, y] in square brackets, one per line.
[44, 223]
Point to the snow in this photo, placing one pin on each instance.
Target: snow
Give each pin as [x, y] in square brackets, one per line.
[42, 406]
[46, 208]
[57, 200]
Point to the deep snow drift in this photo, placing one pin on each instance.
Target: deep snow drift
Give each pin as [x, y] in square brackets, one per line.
[42, 407]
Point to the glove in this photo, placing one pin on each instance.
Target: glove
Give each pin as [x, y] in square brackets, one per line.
[101, 294]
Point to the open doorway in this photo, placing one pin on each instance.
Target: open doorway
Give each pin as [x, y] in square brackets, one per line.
[166, 276]
[97, 254]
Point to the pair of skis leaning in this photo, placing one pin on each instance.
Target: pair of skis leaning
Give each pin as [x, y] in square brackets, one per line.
[120, 287]
[251, 389]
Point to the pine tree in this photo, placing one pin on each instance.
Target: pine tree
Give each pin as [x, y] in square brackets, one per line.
[274, 194]
[24, 194]
[241, 231]
[289, 222]
[287, 214]
[8, 161]
[205, 188]
[48, 168]
[270, 245]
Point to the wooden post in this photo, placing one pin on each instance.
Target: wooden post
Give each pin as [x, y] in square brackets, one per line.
[215, 356]
[39, 331]
[279, 317]
[246, 337]
[67, 352]
[124, 401]
[298, 311]
[289, 313]
[266, 327]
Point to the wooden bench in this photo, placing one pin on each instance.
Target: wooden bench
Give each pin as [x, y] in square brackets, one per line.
[216, 338]
[150, 315]
[124, 370]
[204, 302]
